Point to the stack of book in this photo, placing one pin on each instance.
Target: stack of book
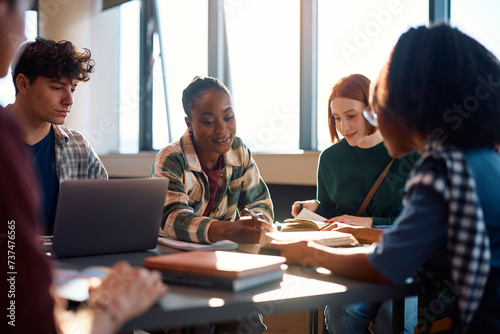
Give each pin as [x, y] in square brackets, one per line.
[231, 271]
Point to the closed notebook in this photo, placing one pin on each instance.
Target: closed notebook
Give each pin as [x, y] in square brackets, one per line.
[231, 284]
[223, 264]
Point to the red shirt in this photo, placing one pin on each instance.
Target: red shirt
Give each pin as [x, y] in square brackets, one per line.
[25, 298]
[213, 180]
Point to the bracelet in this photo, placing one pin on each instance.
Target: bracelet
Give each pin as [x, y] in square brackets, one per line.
[104, 308]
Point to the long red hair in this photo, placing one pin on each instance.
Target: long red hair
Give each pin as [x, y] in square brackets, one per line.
[355, 87]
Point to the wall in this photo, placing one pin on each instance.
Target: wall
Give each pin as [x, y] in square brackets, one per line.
[290, 177]
[290, 169]
[94, 112]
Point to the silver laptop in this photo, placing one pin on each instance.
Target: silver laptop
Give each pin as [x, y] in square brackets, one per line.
[95, 217]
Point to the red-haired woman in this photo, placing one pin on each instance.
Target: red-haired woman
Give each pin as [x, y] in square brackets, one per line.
[347, 171]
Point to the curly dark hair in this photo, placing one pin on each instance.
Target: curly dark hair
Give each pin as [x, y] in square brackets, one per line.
[444, 84]
[47, 58]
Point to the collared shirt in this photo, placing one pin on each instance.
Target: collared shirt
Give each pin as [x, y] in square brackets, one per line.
[75, 157]
[240, 186]
[420, 234]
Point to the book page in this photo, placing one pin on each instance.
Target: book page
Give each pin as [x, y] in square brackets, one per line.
[327, 238]
[305, 216]
[309, 215]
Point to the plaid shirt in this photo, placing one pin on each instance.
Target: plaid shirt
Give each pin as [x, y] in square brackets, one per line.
[75, 157]
[468, 242]
[240, 186]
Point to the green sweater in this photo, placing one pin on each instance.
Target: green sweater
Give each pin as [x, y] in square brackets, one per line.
[346, 175]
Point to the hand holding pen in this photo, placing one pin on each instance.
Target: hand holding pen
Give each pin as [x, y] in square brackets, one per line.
[260, 217]
[246, 230]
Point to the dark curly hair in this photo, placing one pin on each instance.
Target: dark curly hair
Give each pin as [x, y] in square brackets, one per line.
[47, 58]
[444, 84]
[198, 87]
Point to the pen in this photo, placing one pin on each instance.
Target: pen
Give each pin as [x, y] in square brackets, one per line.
[255, 216]
[251, 213]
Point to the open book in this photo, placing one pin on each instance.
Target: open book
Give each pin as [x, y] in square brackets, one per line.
[327, 238]
[306, 220]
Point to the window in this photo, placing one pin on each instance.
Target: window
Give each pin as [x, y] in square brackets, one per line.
[263, 40]
[7, 90]
[357, 36]
[181, 50]
[267, 106]
[478, 19]
[129, 90]
[261, 60]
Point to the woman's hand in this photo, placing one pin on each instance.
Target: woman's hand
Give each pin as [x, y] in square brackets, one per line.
[365, 235]
[246, 230]
[349, 262]
[352, 220]
[311, 205]
[296, 252]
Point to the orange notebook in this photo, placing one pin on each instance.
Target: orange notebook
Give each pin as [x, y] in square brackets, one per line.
[216, 263]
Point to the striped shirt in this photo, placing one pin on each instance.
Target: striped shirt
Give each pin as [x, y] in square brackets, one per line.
[75, 158]
[240, 186]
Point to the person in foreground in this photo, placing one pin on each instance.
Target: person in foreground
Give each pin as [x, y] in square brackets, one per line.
[45, 77]
[439, 93]
[29, 307]
[347, 171]
[212, 174]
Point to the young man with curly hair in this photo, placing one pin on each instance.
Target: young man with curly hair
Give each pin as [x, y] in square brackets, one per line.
[45, 77]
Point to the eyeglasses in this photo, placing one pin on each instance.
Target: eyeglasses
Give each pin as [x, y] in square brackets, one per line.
[371, 117]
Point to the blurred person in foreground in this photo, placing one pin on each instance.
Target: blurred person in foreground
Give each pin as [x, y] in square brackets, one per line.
[31, 308]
